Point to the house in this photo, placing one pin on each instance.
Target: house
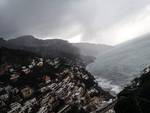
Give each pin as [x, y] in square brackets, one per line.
[52, 86]
[1, 89]
[44, 101]
[92, 90]
[15, 90]
[27, 92]
[4, 97]
[81, 90]
[23, 67]
[65, 109]
[33, 63]
[85, 77]
[11, 70]
[96, 101]
[43, 110]
[43, 89]
[2, 103]
[67, 79]
[30, 103]
[41, 59]
[8, 88]
[15, 107]
[46, 79]
[30, 66]
[26, 70]
[40, 64]
[14, 77]
[51, 100]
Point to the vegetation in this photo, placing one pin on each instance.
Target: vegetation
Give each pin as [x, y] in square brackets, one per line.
[135, 98]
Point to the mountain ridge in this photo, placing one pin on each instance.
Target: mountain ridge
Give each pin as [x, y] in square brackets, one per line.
[30, 43]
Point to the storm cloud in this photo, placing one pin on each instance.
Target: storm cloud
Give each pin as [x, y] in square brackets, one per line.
[99, 21]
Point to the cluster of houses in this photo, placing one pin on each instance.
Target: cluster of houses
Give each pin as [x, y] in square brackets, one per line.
[49, 86]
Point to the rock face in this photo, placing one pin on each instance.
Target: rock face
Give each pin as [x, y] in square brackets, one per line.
[135, 98]
[122, 62]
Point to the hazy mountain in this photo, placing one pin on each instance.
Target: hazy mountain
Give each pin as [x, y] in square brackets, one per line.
[55, 47]
[27, 41]
[2, 42]
[52, 47]
[121, 63]
[89, 49]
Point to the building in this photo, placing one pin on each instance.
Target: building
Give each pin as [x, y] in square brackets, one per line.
[46, 79]
[27, 92]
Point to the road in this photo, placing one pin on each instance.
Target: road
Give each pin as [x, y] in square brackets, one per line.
[106, 108]
[101, 110]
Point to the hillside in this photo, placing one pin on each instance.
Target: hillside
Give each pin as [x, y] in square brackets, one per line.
[135, 95]
[123, 62]
[42, 85]
[12, 56]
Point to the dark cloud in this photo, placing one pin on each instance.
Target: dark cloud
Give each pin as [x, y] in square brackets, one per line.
[32, 16]
[64, 18]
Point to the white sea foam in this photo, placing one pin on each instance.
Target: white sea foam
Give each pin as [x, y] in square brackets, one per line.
[107, 85]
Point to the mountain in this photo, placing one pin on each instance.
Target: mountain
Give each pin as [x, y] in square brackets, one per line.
[122, 63]
[135, 95]
[52, 47]
[55, 47]
[2, 42]
[27, 41]
[89, 49]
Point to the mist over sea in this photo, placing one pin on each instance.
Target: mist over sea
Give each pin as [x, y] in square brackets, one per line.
[106, 84]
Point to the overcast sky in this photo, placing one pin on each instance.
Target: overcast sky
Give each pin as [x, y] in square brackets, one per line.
[98, 21]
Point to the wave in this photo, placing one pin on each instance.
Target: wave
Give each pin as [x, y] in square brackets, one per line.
[107, 85]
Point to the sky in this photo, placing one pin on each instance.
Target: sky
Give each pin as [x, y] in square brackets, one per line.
[95, 21]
